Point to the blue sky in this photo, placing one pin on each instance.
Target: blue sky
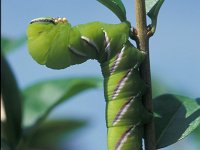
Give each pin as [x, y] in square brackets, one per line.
[174, 53]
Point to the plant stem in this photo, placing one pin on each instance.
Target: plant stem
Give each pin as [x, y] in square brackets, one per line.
[141, 26]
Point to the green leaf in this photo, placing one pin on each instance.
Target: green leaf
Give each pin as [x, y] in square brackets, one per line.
[43, 97]
[158, 87]
[50, 133]
[117, 7]
[11, 103]
[9, 44]
[4, 145]
[149, 4]
[176, 117]
[152, 9]
[196, 134]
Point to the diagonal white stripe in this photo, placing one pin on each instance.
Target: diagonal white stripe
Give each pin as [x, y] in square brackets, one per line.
[89, 41]
[121, 84]
[117, 61]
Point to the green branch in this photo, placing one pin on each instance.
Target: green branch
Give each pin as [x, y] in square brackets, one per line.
[143, 45]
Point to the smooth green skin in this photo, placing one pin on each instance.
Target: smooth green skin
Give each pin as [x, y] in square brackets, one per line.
[45, 46]
[49, 45]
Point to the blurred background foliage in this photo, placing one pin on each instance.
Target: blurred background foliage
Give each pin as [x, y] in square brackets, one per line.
[39, 100]
[28, 109]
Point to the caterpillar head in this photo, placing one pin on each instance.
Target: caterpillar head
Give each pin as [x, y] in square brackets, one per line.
[47, 41]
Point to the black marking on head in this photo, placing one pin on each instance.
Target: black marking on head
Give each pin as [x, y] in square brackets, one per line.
[47, 20]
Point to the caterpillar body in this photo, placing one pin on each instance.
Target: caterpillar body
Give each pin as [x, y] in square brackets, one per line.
[55, 43]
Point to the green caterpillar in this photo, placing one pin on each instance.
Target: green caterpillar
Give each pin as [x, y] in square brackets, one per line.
[55, 43]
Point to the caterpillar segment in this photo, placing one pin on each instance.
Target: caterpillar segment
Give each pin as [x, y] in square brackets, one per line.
[123, 92]
[55, 43]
